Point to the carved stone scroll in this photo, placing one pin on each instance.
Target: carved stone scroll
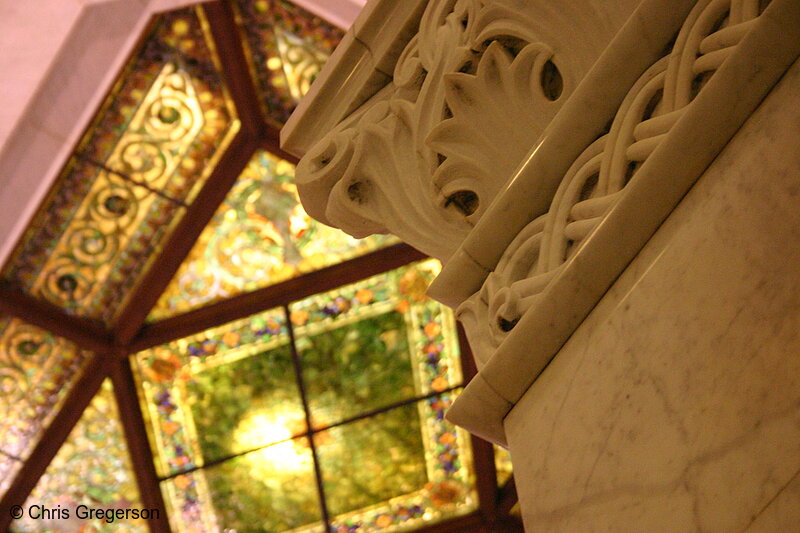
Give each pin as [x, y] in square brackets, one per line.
[471, 95]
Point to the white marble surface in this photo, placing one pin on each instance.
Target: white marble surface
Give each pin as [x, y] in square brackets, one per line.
[676, 405]
[782, 513]
[735, 91]
[582, 119]
[359, 68]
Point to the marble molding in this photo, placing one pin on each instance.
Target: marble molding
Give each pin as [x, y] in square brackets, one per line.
[422, 117]
[675, 406]
[724, 103]
[374, 171]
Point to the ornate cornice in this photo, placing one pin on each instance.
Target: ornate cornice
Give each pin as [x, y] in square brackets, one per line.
[510, 145]
[684, 108]
[470, 95]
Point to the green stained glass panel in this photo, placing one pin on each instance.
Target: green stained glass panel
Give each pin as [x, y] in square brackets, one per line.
[245, 404]
[202, 383]
[151, 146]
[397, 471]
[287, 48]
[376, 341]
[269, 490]
[367, 462]
[92, 468]
[357, 367]
[259, 236]
[37, 370]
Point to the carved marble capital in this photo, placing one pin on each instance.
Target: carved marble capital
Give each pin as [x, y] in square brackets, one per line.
[469, 98]
[506, 141]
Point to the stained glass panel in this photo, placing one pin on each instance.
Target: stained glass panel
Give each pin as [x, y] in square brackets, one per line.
[219, 400]
[357, 367]
[9, 466]
[151, 146]
[259, 236]
[427, 330]
[367, 462]
[287, 47]
[397, 471]
[245, 404]
[203, 383]
[37, 369]
[92, 468]
[269, 490]
[169, 117]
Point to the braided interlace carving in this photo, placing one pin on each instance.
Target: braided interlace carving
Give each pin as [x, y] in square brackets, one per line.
[597, 179]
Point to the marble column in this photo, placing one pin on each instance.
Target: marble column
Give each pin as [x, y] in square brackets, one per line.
[675, 406]
[626, 264]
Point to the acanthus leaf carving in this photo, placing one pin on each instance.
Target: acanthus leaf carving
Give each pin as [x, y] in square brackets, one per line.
[498, 114]
[471, 95]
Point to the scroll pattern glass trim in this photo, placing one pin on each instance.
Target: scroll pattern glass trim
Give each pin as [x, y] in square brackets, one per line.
[92, 468]
[37, 369]
[259, 236]
[287, 47]
[152, 145]
[165, 373]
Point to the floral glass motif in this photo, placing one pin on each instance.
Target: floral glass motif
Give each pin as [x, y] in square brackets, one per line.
[287, 47]
[259, 236]
[173, 385]
[37, 369]
[92, 468]
[225, 405]
[151, 146]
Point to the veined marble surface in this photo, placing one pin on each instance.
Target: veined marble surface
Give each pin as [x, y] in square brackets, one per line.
[676, 405]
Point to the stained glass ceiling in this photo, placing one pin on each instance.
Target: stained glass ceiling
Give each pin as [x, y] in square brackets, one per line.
[259, 236]
[273, 374]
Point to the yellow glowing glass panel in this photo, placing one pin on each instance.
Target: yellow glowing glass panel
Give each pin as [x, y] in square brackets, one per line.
[151, 147]
[502, 465]
[92, 469]
[260, 235]
[37, 369]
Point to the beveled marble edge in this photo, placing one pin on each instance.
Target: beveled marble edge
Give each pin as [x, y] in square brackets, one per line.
[360, 66]
[717, 113]
[640, 42]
